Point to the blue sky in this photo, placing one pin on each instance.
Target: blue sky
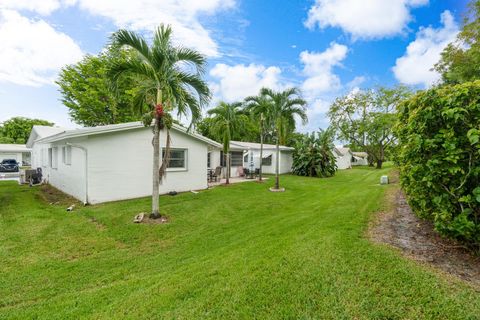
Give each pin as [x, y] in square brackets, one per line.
[325, 47]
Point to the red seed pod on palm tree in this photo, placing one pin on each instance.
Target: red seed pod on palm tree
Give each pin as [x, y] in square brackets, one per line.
[159, 110]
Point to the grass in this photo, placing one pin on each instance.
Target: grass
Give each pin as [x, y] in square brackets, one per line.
[231, 252]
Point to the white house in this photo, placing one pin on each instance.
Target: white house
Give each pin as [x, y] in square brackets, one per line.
[114, 162]
[360, 159]
[343, 157]
[241, 154]
[19, 152]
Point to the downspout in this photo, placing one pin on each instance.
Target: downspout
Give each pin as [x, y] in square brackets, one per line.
[85, 152]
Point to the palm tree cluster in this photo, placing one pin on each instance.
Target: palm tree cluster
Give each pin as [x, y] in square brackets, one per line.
[168, 78]
[273, 111]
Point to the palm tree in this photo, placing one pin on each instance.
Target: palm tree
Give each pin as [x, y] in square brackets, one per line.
[285, 106]
[227, 119]
[260, 107]
[169, 79]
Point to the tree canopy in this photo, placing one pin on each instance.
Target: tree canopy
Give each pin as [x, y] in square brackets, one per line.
[365, 119]
[17, 129]
[460, 60]
[87, 91]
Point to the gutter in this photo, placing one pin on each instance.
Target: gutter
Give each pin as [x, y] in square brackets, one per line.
[85, 152]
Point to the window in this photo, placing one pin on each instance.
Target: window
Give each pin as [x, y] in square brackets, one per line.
[209, 156]
[245, 158]
[223, 159]
[237, 159]
[67, 155]
[177, 158]
[267, 161]
[53, 157]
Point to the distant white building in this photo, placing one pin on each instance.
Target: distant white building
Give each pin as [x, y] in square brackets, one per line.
[241, 153]
[114, 162]
[360, 159]
[343, 158]
[18, 152]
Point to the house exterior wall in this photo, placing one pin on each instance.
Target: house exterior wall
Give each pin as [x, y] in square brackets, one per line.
[120, 165]
[11, 155]
[360, 162]
[285, 165]
[344, 162]
[70, 178]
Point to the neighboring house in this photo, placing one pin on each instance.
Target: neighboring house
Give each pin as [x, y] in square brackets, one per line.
[360, 159]
[114, 162]
[343, 157]
[19, 152]
[240, 157]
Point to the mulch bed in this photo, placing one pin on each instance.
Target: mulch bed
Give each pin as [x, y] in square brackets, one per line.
[417, 239]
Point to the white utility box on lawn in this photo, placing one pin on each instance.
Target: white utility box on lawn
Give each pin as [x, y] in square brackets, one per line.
[384, 180]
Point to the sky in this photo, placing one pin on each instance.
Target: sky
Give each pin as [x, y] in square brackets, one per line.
[327, 48]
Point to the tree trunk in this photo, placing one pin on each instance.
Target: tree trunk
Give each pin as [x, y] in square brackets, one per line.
[261, 155]
[228, 168]
[381, 158]
[155, 172]
[277, 164]
[379, 164]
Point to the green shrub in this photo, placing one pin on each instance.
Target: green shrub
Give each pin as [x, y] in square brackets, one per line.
[439, 136]
[313, 156]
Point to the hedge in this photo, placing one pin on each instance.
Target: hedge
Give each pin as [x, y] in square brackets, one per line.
[439, 159]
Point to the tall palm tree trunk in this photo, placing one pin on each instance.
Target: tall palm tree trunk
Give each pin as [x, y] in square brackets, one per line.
[228, 167]
[155, 173]
[277, 164]
[261, 148]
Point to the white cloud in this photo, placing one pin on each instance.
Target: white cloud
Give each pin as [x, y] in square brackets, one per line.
[144, 15]
[318, 68]
[183, 15]
[414, 67]
[365, 19]
[43, 7]
[32, 52]
[239, 81]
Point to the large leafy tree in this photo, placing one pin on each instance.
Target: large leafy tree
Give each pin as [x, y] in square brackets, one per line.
[259, 108]
[365, 119]
[17, 129]
[313, 156]
[460, 60]
[87, 90]
[227, 118]
[285, 106]
[169, 79]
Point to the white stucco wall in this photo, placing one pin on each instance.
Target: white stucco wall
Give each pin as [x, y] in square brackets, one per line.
[69, 178]
[11, 155]
[120, 165]
[343, 162]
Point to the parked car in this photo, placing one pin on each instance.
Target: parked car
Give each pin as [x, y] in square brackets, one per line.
[9, 165]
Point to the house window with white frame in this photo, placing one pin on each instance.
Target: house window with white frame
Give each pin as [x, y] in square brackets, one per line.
[267, 161]
[178, 158]
[67, 155]
[53, 157]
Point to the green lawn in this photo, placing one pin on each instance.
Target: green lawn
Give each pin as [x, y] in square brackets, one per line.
[231, 252]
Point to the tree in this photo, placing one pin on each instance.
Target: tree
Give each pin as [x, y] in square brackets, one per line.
[227, 118]
[248, 132]
[460, 60]
[259, 107]
[366, 118]
[169, 79]
[313, 156]
[285, 105]
[17, 129]
[87, 90]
